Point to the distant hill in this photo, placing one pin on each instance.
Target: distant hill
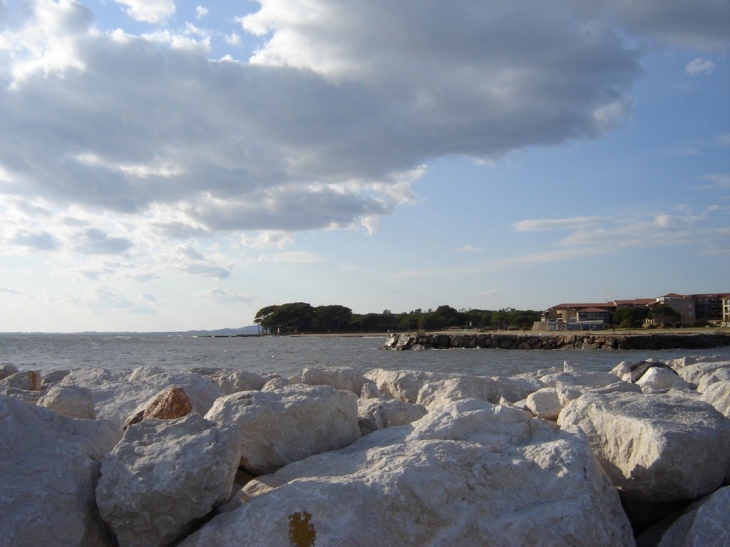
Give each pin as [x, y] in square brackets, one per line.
[251, 329]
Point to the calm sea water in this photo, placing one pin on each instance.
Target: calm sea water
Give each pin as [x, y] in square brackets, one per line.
[289, 355]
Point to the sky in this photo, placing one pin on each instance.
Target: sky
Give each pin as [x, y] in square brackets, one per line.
[169, 165]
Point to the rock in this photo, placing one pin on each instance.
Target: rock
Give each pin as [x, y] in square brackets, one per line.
[169, 404]
[707, 380]
[49, 469]
[403, 385]
[491, 389]
[346, 378]
[654, 447]
[579, 379]
[289, 424]
[544, 403]
[6, 370]
[374, 414]
[238, 380]
[470, 474]
[370, 391]
[30, 397]
[718, 395]
[640, 369]
[694, 373]
[684, 362]
[28, 381]
[163, 475]
[296, 379]
[74, 402]
[51, 378]
[275, 383]
[705, 523]
[661, 378]
[120, 395]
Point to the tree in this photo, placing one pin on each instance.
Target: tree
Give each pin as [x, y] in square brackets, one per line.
[664, 315]
[331, 318]
[630, 318]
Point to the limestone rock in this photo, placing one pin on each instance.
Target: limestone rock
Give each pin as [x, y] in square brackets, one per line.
[51, 378]
[374, 414]
[718, 395]
[26, 380]
[119, 395]
[6, 370]
[289, 424]
[74, 402]
[30, 397]
[469, 474]
[658, 378]
[49, 469]
[346, 378]
[707, 380]
[164, 474]
[545, 403]
[370, 391]
[239, 380]
[168, 404]
[659, 447]
[403, 385]
[579, 379]
[490, 389]
[275, 383]
[694, 373]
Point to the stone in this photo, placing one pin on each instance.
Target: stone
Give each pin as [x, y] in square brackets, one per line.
[169, 404]
[51, 378]
[74, 402]
[654, 447]
[374, 414]
[661, 378]
[6, 370]
[403, 385]
[707, 380]
[27, 380]
[544, 403]
[469, 474]
[718, 395]
[275, 383]
[346, 378]
[49, 467]
[490, 389]
[118, 395]
[30, 397]
[163, 475]
[238, 380]
[289, 424]
[694, 373]
[705, 523]
[579, 379]
[370, 391]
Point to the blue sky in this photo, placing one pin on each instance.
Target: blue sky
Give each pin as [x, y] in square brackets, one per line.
[171, 165]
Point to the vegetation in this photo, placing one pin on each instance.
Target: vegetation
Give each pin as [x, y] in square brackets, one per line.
[630, 318]
[664, 315]
[297, 317]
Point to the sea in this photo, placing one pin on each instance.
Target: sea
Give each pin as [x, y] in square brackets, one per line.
[289, 355]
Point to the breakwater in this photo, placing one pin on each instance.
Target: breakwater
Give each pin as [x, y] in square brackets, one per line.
[649, 341]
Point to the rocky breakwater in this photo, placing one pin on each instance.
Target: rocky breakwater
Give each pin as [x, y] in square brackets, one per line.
[535, 340]
[334, 457]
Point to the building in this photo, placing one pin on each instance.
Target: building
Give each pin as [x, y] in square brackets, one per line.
[684, 305]
[726, 310]
[708, 307]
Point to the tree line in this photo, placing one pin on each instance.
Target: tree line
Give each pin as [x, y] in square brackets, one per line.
[300, 317]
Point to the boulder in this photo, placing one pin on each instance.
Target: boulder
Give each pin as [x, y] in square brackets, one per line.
[30, 397]
[374, 414]
[403, 385]
[469, 474]
[275, 383]
[718, 395]
[707, 380]
[238, 380]
[27, 380]
[74, 402]
[544, 403]
[51, 378]
[6, 370]
[289, 424]
[579, 379]
[370, 391]
[169, 404]
[661, 378]
[49, 468]
[346, 378]
[457, 388]
[163, 475]
[694, 373]
[118, 395]
[655, 448]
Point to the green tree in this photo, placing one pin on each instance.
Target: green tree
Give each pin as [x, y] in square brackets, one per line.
[665, 315]
[331, 318]
[630, 318]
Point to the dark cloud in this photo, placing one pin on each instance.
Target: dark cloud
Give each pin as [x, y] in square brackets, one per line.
[40, 241]
[97, 242]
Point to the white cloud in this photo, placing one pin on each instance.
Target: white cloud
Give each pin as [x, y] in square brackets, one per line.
[699, 66]
[724, 139]
[99, 298]
[233, 39]
[540, 225]
[9, 290]
[226, 297]
[201, 12]
[149, 11]
[468, 249]
[718, 181]
[292, 257]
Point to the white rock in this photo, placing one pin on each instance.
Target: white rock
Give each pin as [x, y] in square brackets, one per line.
[684, 362]
[657, 378]
[346, 378]
[623, 370]
[374, 414]
[655, 448]
[53, 377]
[164, 474]
[584, 379]
[470, 474]
[705, 523]
[694, 373]
[545, 403]
[403, 385]
[26, 380]
[718, 395]
[707, 380]
[490, 389]
[49, 469]
[275, 383]
[238, 380]
[6, 370]
[119, 396]
[74, 402]
[289, 424]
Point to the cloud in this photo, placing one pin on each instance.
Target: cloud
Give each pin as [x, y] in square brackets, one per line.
[699, 66]
[468, 249]
[225, 297]
[149, 11]
[40, 241]
[292, 257]
[201, 12]
[541, 225]
[101, 298]
[9, 290]
[95, 242]
[717, 181]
